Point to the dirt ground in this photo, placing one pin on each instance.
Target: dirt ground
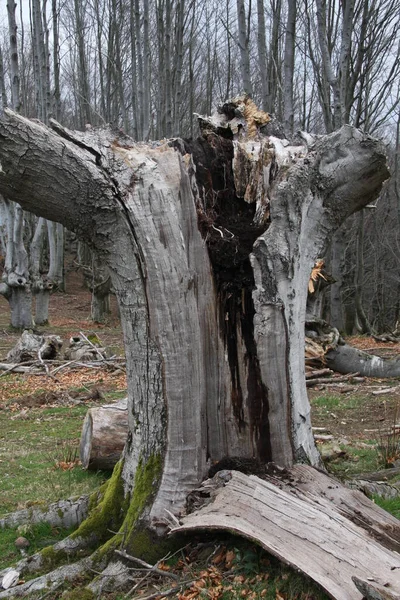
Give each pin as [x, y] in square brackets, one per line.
[359, 409]
[69, 313]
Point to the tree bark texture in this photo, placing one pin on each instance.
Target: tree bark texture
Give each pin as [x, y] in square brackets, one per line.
[210, 245]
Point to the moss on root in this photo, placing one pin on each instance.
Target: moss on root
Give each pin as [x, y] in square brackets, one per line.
[109, 511]
[51, 558]
[130, 534]
[79, 594]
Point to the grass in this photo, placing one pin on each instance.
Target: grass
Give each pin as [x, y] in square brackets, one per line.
[39, 536]
[357, 460]
[391, 505]
[32, 446]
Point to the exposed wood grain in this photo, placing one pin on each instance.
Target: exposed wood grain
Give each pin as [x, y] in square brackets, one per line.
[309, 536]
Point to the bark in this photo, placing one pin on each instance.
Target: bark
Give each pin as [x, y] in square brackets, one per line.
[14, 68]
[243, 42]
[16, 286]
[262, 54]
[290, 40]
[210, 245]
[100, 286]
[104, 433]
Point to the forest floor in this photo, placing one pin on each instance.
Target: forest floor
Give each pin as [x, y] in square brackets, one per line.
[40, 424]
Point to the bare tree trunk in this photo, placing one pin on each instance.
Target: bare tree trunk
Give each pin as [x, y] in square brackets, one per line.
[243, 42]
[146, 72]
[56, 255]
[178, 66]
[56, 59]
[84, 88]
[364, 325]
[100, 287]
[290, 40]
[14, 68]
[3, 93]
[336, 302]
[16, 286]
[262, 54]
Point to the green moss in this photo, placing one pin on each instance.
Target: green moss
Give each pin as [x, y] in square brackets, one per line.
[108, 513]
[149, 547]
[52, 558]
[60, 513]
[146, 481]
[130, 534]
[79, 594]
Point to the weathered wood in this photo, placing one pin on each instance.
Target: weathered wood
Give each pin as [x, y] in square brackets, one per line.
[64, 513]
[346, 359]
[34, 347]
[306, 530]
[333, 380]
[103, 437]
[318, 373]
[352, 504]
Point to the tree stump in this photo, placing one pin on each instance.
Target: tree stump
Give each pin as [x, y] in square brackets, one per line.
[103, 437]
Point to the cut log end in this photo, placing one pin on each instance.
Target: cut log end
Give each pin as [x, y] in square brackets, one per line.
[103, 437]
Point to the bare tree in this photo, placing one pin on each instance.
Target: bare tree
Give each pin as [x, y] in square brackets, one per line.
[243, 41]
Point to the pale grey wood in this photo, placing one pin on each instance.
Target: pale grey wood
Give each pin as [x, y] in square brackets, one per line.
[299, 530]
[139, 204]
[103, 437]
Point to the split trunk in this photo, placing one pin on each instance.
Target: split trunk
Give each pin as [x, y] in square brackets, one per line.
[210, 245]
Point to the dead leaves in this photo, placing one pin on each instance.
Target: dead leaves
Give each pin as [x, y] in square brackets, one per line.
[67, 466]
[316, 273]
[29, 384]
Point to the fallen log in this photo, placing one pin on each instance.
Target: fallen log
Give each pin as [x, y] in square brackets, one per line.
[345, 359]
[103, 437]
[307, 521]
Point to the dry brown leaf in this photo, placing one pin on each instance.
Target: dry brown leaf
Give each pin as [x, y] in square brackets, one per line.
[229, 558]
[219, 557]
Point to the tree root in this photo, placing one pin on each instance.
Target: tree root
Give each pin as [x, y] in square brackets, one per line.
[49, 581]
[64, 513]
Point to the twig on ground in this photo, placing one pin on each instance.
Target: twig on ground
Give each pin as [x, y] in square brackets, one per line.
[332, 380]
[146, 565]
[183, 586]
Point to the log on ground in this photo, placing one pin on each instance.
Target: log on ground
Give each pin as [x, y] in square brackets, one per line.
[303, 532]
[103, 437]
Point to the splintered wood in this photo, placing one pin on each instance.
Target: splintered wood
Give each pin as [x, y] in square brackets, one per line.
[307, 530]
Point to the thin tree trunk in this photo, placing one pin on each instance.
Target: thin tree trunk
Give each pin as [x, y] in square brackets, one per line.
[243, 42]
[56, 60]
[290, 40]
[262, 54]
[14, 67]
[362, 318]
